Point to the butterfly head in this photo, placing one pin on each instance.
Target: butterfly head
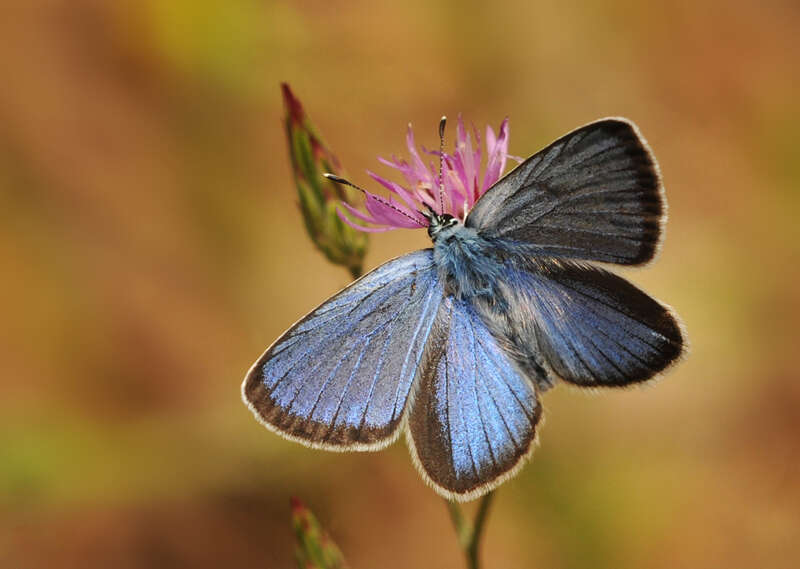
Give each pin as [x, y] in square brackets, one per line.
[440, 223]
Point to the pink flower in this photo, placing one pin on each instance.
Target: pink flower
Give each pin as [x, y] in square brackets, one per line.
[462, 181]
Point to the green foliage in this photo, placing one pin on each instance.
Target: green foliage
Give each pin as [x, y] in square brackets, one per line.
[314, 549]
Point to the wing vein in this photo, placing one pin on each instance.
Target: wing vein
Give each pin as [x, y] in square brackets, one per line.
[475, 391]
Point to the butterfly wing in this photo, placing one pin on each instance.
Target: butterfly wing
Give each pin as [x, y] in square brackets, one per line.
[341, 377]
[592, 327]
[474, 417]
[594, 194]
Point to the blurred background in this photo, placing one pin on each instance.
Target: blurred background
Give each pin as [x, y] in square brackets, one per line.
[151, 248]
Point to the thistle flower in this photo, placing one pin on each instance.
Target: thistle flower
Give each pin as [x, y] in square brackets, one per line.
[319, 196]
[464, 180]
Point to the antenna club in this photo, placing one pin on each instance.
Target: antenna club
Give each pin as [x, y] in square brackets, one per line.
[342, 181]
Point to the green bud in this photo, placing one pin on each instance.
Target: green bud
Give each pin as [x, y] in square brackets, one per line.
[314, 548]
[319, 197]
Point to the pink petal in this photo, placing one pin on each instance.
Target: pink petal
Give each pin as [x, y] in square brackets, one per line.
[469, 161]
[392, 212]
[476, 157]
[359, 214]
[408, 172]
[396, 188]
[426, 198]
[496, 148]
[453, 185]
[354, 225]
[457, 166]
[418, 165]
[464, 152]
[491, 140]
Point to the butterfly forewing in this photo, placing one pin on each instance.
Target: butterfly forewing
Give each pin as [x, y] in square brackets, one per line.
[341, 377]
[475, 413]
[594, 194]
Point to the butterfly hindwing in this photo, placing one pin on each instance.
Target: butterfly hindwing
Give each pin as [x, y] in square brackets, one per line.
[341, 377]
[592, 327]
[474, 417]
[594, 194]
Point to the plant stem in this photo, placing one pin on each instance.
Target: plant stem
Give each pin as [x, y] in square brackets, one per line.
[460, 523]
[473, 553]
[469, 533]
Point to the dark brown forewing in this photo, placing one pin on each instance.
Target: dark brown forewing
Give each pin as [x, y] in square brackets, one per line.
[594, 194]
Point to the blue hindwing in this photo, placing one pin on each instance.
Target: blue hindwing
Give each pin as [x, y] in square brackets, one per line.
[475, 414]
[591, 327]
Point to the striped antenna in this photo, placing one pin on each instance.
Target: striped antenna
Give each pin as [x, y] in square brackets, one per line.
[387, 203]
[442, 124]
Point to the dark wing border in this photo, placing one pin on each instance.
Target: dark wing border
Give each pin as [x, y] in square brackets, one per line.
[422, 420]
[253, 390]
[651, 249]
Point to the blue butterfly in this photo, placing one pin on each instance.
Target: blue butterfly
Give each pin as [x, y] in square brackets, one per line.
[453, 344]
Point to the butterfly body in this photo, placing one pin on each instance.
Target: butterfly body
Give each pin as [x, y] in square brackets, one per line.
[452, 345]
[466, 262]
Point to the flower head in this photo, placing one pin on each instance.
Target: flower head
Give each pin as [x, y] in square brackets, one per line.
[464, 180]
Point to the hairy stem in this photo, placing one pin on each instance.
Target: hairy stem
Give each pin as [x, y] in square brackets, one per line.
[469, 533]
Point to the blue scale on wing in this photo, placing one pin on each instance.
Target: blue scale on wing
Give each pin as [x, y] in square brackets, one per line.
[593, 327]
[342, 375]
[352, 323]
[475, 414]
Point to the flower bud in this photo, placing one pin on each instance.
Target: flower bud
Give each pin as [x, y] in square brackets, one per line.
[314, 548]
[319, 197]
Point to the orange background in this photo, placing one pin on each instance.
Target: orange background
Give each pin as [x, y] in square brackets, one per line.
[151, 248]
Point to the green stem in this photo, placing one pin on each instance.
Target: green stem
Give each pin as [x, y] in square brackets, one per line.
[469, 533]
[473, 553]
[460, 523]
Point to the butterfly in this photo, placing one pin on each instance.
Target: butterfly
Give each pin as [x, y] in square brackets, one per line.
[452, 345]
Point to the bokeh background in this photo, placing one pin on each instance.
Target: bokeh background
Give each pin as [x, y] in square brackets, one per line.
[151, 248]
